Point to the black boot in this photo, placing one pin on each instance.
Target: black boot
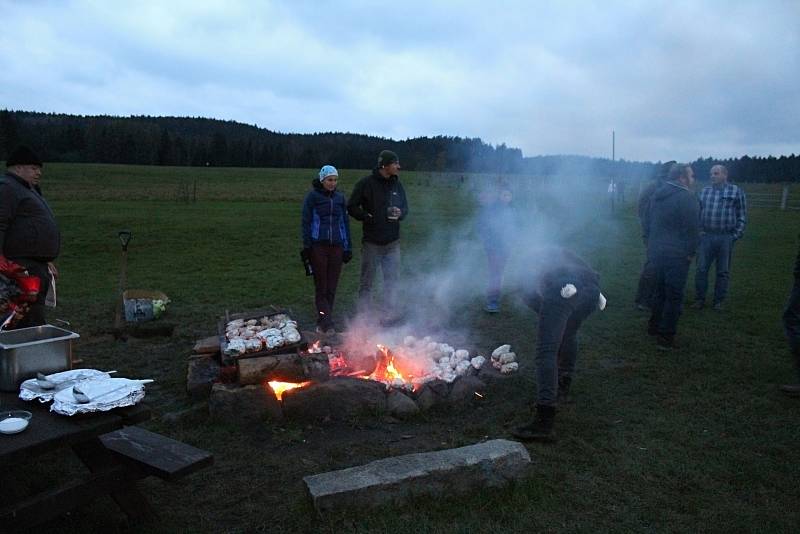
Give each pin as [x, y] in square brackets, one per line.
[563, 390]
[541, 429]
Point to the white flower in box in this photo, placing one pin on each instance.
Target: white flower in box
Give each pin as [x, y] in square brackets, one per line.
[508, 357]
[477, 362]
[502, 349]
[509, 368]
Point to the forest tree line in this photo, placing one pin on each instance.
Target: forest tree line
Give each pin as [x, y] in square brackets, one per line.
[188, 141]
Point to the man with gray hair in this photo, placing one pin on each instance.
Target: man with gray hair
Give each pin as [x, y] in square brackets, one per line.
[723, 216]
[671, 244]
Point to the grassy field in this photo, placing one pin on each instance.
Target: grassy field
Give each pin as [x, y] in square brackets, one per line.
[694, 440]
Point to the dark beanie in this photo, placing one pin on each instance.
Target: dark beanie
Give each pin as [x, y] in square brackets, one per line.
[387, 157]
[23, 155]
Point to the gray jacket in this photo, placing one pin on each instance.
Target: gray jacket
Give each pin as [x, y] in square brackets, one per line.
[673, 222]
[28, 227]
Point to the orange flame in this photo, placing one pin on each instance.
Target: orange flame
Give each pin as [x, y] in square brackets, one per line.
[280, 387]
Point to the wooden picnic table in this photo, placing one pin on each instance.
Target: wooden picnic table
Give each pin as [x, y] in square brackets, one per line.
[116, 453]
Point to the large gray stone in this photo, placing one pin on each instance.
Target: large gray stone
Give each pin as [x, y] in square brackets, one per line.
[393, 480]
[340, 398]
[400, 405]
[281, 367]
[208, 345]
[243, 404]
[201, 372]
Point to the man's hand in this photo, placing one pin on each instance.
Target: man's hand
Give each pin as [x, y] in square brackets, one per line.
[9, 267]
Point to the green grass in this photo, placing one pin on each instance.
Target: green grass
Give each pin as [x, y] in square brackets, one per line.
[697, 440]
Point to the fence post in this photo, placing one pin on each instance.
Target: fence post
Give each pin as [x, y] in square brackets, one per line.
[784, 197]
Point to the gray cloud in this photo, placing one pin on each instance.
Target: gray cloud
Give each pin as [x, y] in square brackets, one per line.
[676, 80]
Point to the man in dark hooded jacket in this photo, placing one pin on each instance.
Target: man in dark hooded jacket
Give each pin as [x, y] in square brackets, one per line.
[673, 233]
[647, 279]
[379, 202]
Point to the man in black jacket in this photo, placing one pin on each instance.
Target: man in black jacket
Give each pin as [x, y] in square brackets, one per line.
[379, 202]
[673, 233]
[29, 236]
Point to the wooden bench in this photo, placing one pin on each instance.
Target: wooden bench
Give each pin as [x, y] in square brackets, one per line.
[155, 454]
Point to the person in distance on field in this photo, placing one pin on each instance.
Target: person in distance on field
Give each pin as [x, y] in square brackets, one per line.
[379, 202]
[791, 325]
[29, 235]
[723, 216]
[326, 241]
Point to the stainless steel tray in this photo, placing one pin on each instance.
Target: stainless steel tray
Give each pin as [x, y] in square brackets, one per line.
[27, 351]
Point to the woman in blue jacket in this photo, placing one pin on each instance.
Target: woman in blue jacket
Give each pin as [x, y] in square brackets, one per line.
[326, 241]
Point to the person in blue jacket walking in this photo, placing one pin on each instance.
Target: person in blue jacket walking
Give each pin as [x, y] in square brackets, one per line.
[326, 241]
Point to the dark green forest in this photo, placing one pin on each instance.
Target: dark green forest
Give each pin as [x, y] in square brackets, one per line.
[195, 141]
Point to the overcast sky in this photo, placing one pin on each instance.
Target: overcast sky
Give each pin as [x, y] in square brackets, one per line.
[675, 80]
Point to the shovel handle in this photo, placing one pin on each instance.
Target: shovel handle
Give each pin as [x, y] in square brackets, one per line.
[125, 238]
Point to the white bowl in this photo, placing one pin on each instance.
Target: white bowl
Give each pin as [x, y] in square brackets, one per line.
[14, 422]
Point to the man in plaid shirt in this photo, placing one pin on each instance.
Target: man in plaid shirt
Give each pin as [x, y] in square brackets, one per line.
[723, 215]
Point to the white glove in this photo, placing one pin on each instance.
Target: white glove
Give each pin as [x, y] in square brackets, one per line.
[601, 302]
[568, 291]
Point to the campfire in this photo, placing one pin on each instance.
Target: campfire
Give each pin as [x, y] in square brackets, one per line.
[393, 366]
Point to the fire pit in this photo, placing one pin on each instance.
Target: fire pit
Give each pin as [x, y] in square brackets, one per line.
[364, 370]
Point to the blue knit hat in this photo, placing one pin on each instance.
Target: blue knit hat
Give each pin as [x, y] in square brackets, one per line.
[327, 170]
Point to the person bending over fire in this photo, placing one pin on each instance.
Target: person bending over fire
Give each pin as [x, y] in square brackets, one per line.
[565, 292]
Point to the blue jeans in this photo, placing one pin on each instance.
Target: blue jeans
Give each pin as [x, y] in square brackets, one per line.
[557, 341]
[714, 248]
[671, 276]
[388, 257]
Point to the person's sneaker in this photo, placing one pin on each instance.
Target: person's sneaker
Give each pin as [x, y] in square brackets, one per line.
[718, 306]
[698, 305]
[666, 343]
[791, 390]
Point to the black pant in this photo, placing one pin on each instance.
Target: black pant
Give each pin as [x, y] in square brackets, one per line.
[671, 275]
[647, 285]
[326, 261]
[35, 315]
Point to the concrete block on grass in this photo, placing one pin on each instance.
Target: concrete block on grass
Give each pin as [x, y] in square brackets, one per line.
[392, 480]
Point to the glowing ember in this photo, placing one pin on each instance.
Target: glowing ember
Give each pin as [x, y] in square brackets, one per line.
[280, 387]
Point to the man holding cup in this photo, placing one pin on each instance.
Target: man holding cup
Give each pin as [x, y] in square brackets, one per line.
[379, 202]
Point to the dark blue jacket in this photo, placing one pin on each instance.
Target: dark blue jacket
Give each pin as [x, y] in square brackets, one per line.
[28, 227]
[673, 222]
[325, 218]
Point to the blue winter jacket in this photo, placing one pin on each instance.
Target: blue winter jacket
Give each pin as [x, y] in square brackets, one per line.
[325, 218]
